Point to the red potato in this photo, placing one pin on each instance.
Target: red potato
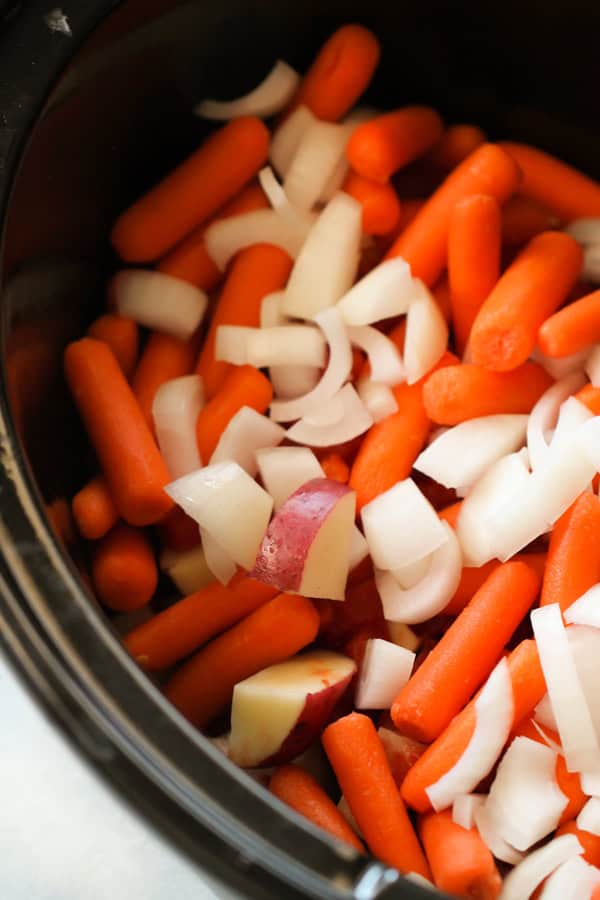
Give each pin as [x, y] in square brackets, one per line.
[306, 549]
[277, 713]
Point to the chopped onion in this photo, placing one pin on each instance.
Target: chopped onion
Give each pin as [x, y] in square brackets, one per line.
[500, 849]
[295, 345]
[270, 310]
[317, 157]
[284, 469]
[378, 398]
[585, 610]
[591, 264]
[464, 808]
[402, 635]
[159, 301]
[544, 414]
[174, 410]
[409, 575]
[585, 230]
[588, 439]
[287, 137]
[575, 879]
[225, 237]
[592, 366]
[291, 382]
[544, 714]
[426, 334]
[384, 356]
[386, 291]
[267, 99]
[585, 651]
[187, 569]
[218, 560]
[561, 366]
[385, 669]
[590, 783]
[493, 720]
[589, 817]
[245, 433]
[572, 414]
[280, 202]
[524, 878]
[354, 421]
[359, 549]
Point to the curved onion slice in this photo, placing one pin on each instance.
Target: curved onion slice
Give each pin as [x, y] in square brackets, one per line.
[591, 264]
[295, 344]
[284, 469]
[526, 876]
[585, 230]
[385, 669]
[499, 848]
[464, 808]
[386, 291]
[159, 301]
[245, 433]
[426, 334]
[411, 574]
[359, 550]
[187, 569]
[592, 366]
[561, 366]
[573, 880]
[544, 715]
[355, 420]
[544, 414]
[493, 720]
[589, 817]
[278, 199]
[572, 414]
[378, 398]
[288, 381]
[287, 137]
[174, 411]
[270, 310]
[267, 99]
[218, 560]
[585, 610]
[316, 159]
[585, 650]
[224, 238]
[384, 356]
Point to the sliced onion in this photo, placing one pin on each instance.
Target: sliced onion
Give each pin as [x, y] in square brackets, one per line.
[359, 549]
[378, 398]
[174, 410]
[354, 421]
[386, 291]
[490, 837]
[187, 569]
[384, 356]
[291, 382]
[295, 344]
[585, 230]
[591, 264]
[404, 636]
[493, 720]
[284, 469]
[426, 334]
[525, 877]
[585, 651]
[592, 366]
[328, 262]
[561, 366]
[585, 610]
[588, 439]
[287, 137]
[218, 560]
[401, 526]
[589, 817]
[575, 879]
[270, 310]
[225, 237]
[385, 669]
[280, 202]
[572, 414]
[245, 433]
[544, 714]
[410, 575]
[464, 808]
[159, 301]
[590, 783]
[316, 159]
[544, 414]
[267, 99]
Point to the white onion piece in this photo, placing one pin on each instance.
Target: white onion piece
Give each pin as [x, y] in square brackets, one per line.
[547, 739]
[284, 469]
[585, 230]
[431, 594]
[245, 433]
[588, 439]
[499, 848]
[187, 569]
[327, 264]
[224, 238]
[378, 398]
[267, 99]
[359, 549]
[544, 414]
[585, 610]
[386, 291]
[354, 421]
[426, 334]
[316, 159]
[590, 783]
[463, 453]
[591, 264]
[528, 874]
[585, 651]
[493, 720]
[174, 410]
[159, 301]
[572, 414]
[464, 808]
[589, 817]
[592, 366]
[385, 669]
[561, 366]
[287, 137]
[573, 718]
[409, 575]
[544, 714]
[296, 345]
[218, 560]
[270, 310]
[279, 201]
[575, 879]
[384, 356]
[402, 635]
[401, 526]
[291, 382]
[229, 505]
[337, 371]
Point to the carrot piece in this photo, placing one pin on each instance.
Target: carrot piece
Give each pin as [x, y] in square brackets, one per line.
[457, 393]
[335, 468]
[538, 281]
[363, 772]
[590, 397]
[256, 272]
[572, 328]
[473, 259]
[124, 569]
[94, 509]
[178, 531]
[340, 73]
[271, 634]
[473, 577]
[164, 357]
[190, 259]
[590, 843]
[528, 688]
[451, 513]
[192, 192]
[565, 190]
[424, 243]
[456, 143]
[59, 514]
[410, 208]
[574, 553]
[523, 219]
[298, 789]
[461, 864]
[441, 295]
[121, 335]
[381, 210]
[466, 654]
[383, 145]
[181, 628]
[133, 467]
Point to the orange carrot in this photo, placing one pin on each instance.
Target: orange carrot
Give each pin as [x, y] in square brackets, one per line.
[94, 509]
[461, 864]
[441, 295]
[538, 281]
[340, 74]
[255, 272]
[590, 397]
[523, 219]
[528, 688]
[298, 789]
[123, 569]
[410, 208]
[383, 145]
[121, 335]
[335, 468]
[457, 393]
[243, 386]
[381, 210]
[451, 513]
[590, 843]
[178, 531]
[183, 627]
[59, 514]
[473, 259]
[566, 191]
[572, 328]
[271, 634]
[473, 577]
[164, 357]
[466, 654]
[574, 553]
[456, 143]
[363, 772]
[192, 192]
[424, 243]
[133, 467]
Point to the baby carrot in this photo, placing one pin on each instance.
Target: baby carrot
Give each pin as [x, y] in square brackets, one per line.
[563, 189]
[121, 335]
[531, 289]
[590, 397]
[363, 772]
[590, 842]
[381, 210]
[243, 386]
[271, 634]
[94, 510]
[335, 468]
[473, 259]
[424, 243]
[164, 357]
[381, 146]
[461, 864]
[123, 569]
[178, 531]
[571, 328]
[133, 467]
[466, 654]
[472, 578]
[456, 393]
[59, 514]
[574, 553]
[192, 192]
[256, 272]
[340, 74]
[410, 208]
[523, 219]
[299, 790]
[181, 628]
[528, 688]
[455, 144]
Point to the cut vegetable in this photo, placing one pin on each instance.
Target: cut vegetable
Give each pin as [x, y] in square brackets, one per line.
[219, 562]
[572, 414]
[589, 817]
[378, 399]
[544, 414]
[341, 418]
[585, 230]
[317, 157]
[590, 271]
[175, 410]
[585, 650]
[426, 334]
[544, 714]
[500, 849]
[385, 292]
[385, 669]
[464, 808]
[187, 569]
[592, 366]
[245, 433]
[267, 99]
[301, 345]
[585, 610]
[384, 358]
[525, 877]
[159, 301]
[287, 137]
[284, 469]
[575, 879]
[226, 237]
